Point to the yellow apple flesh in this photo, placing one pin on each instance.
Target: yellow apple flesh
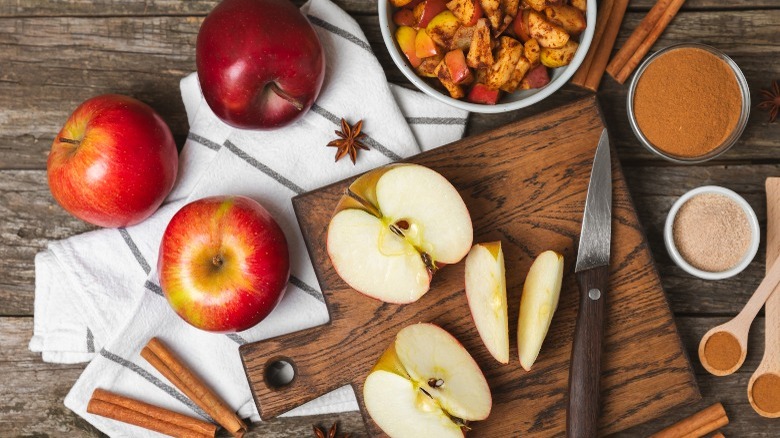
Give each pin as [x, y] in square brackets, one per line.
[486, 293]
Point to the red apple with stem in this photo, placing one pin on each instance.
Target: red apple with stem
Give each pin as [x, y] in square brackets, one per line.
[260, 63]
[224, 263]
[113, 163]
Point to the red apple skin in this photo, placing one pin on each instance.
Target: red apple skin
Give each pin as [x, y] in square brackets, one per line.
[113, 163]
[224, 263]
[431, 9]
[260, 63]
[481, 93]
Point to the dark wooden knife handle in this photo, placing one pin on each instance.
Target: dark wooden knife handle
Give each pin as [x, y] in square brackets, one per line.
[582, 415]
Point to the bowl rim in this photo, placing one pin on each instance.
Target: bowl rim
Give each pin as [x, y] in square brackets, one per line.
[400, 61]
[678, 259]
[728, 142]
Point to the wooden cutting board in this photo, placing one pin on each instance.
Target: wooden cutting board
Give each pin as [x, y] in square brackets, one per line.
[524, 184]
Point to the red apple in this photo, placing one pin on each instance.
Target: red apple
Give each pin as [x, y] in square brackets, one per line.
[430, 9]
[260, 63]
[481, 93]
[113, 163]
[224, 263]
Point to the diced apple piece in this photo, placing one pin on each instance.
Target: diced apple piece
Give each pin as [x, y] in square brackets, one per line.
[425, 384]
[428, 10]
[538, 77]
[541, 291]
[443, 73]
[555, 58]
[482, 94]
[481, 50]
[406, 37]
[507, 56]
[467, 11]
[400, 3]
[388, 237]
[486, 293]
[492, 10]
[582, 5]
[520, 25]
[539, 5]
[462, 38]
[424, 45]
[480, 75]
[442, 28]
[546, 33]
[509, 9]
[404, 17]
[571, 19]
[456, 63]
[531, 51]
[522, 67]
[428, 66]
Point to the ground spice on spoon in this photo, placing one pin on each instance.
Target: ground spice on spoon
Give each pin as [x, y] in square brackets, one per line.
[722, 351]
[766, 393]
[711, 232]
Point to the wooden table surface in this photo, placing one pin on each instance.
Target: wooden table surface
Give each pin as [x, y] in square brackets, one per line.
[55, 54]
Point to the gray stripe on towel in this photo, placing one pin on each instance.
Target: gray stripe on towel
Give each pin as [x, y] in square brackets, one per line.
[263, 168]
[90, 341]
[436, 121]
[134, 249]
[340, 32]
[297, 282]
[204, 141]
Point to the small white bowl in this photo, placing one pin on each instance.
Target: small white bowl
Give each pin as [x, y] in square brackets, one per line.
[519, 99]
[755, 236]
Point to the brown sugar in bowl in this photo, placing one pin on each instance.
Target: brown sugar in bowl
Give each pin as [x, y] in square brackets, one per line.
[688, 103]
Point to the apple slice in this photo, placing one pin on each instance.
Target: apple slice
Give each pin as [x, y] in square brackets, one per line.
[394, 227]
[486, 293]
[426, 384]
[406, 36]
[540, 299]
[424, 45]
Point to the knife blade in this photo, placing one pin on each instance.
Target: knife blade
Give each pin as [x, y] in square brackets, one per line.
[592, 271]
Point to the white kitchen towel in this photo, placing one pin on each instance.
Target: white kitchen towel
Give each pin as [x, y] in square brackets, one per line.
[103, 284]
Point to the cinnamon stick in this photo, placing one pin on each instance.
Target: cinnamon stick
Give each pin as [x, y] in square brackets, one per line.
[637, 36]
[647, 43]
[127, 410]
[602, 18]
[717, 435]
[601, 56]
[697, 425]
[162, 359]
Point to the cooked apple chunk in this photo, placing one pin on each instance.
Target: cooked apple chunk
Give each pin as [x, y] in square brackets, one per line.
[507, 56]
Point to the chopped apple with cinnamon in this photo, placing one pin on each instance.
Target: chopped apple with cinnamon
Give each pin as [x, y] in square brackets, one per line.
[427, 67]
[571, 19]
[406, 37]
[537, 77]
[446, 79]
[541, 291]
[428, 10]
[555, 58]
[482, 94]
[509, 52]
[519, 72]
[424, 45]
[404, 17]
[467, 11]
[481, 50]
[442, 28]
[531, 50]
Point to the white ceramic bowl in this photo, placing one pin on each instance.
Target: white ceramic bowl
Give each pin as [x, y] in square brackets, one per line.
[516, 100]
[677, 257]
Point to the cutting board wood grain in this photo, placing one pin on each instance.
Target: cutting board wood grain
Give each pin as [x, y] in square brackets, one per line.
[524, 184]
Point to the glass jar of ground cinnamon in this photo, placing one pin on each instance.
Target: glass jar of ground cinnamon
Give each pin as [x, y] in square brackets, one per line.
[688, 103]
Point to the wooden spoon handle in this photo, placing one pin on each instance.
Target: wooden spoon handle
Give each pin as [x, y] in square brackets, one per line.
[762, 293]
[772, 335]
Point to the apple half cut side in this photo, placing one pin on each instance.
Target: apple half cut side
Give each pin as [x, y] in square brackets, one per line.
[426, 384]
[486, 293]
[394, 227]
[541, 291]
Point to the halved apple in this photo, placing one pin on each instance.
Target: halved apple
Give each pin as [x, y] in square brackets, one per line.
[486, 293]
[426, 385]
[541, 291]
[394, 227]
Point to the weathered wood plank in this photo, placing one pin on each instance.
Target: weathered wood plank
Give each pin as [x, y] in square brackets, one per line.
[33, 391]
[50, 65]
[54, 8]
[31, 218]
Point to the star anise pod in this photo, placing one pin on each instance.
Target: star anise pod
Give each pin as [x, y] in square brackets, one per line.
[770, 101]
[351, 139]
[320, 432]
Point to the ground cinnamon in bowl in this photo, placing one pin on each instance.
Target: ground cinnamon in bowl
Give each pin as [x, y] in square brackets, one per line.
[688, 103]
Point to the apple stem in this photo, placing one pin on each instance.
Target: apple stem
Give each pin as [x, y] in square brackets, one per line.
[217, 261]
[281, 93]
[70, 141]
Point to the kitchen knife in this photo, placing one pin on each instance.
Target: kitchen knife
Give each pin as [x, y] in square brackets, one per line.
[592, 270]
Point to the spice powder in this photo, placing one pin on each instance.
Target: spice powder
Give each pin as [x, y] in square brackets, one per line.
[687, 102]
[712, 232]
[722, 351]
[766, 393]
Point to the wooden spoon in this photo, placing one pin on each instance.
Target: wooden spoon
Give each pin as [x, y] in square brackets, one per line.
[740, 325]
[770, 364]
